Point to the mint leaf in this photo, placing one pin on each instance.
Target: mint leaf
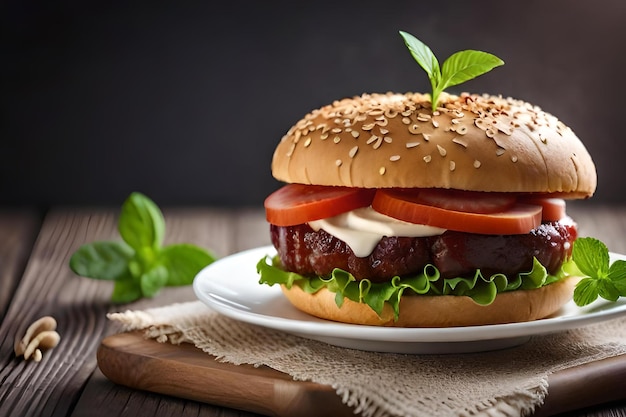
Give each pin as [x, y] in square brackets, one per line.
[102, 260]
[126, 290]
[459, 67]
[184, 261]
[607, 290]
[140, 265]
[586, 291]
[592, 259]
[152, 281]
[141, 223]
[617, 275]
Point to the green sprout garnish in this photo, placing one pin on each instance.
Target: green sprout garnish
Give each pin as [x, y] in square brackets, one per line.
[459, 67]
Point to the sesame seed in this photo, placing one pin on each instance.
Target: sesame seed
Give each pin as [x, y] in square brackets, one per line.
[307, 142]
[382, 170]
[338, 162]
[336, 139]
[353, 151]
[394, 158]
[383, 131]
[388, 139]
[336, 130]
[372, 139]
[452, 165]
[441, 150]
[406, 120]
[426, 136]
[514, 158]
[435, 123]
[459, 141]
[412, 144]
[414, 129]
[477, 163]
[391, 113]
[381, 121]
[499, 151]
[324, 136]
[427, 158]
[355, 134]
[423, 117]
[368, 126]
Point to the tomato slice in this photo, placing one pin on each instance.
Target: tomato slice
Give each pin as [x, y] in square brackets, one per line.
[468, 201]
[519, 219]
[298, 203]
[553, 209]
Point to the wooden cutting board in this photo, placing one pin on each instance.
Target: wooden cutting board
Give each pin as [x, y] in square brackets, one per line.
[131, 360]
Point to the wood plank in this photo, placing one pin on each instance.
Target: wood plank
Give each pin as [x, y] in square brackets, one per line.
[18, 231]
[48, 287]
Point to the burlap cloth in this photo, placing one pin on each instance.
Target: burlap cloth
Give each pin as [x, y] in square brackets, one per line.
[509, 382]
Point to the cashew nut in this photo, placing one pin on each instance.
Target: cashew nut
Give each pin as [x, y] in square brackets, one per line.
[39, 335]
[43, 340]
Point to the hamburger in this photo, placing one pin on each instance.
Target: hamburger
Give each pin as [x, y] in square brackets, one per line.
[395, 214]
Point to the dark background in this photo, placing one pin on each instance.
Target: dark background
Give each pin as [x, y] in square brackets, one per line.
[185, 101]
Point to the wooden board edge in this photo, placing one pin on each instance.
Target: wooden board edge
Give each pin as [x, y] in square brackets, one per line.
[583, 386]
[185, 371]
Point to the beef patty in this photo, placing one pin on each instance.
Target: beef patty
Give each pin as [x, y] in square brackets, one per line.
[308, 252]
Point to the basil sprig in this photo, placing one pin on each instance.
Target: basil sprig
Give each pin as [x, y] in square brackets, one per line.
[459, 67]
[140, 265]
[601, 278]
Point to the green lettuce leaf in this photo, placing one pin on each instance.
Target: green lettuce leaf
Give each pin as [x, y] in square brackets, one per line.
[480, 288]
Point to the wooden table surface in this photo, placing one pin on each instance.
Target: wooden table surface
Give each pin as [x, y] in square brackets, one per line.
[35, 281]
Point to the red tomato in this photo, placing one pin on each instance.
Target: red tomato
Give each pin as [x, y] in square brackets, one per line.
[553, 209]
[298, 203]
[519, 219]
[468, 201]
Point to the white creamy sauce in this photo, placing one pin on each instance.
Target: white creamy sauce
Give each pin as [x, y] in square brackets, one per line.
[363, 228]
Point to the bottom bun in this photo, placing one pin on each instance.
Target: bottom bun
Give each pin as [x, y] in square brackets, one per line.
[439, 311]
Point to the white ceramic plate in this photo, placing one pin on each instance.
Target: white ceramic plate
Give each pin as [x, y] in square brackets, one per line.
[230, 286]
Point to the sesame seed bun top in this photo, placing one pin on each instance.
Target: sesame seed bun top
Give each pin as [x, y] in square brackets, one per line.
[472, 142]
